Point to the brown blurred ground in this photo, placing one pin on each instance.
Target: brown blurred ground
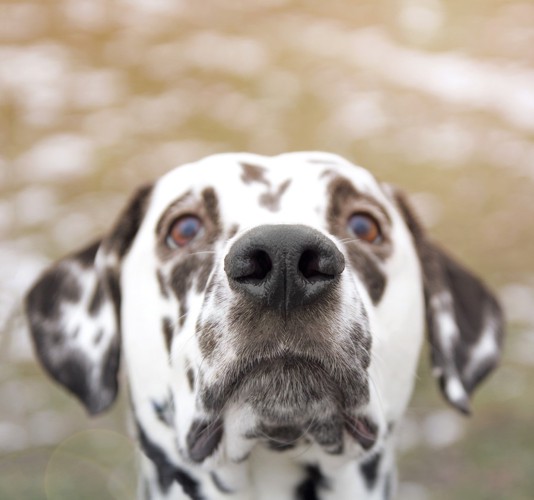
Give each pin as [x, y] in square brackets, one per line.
[97, 96]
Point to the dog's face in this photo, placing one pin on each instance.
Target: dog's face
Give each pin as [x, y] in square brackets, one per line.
[264, 300]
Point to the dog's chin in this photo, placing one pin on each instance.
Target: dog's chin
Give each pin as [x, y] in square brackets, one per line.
[289, 390]
[299, 400]
[292, 400]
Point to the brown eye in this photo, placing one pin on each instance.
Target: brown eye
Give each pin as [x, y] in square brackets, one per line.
[183, 231]
[365, 228]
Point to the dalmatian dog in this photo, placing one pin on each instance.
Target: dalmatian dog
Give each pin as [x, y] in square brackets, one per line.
[269, 312]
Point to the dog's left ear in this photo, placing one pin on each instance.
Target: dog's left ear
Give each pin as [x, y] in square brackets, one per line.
[464, 320]
[73, 313]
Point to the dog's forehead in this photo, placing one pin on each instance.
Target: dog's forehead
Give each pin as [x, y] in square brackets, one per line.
[281, 186]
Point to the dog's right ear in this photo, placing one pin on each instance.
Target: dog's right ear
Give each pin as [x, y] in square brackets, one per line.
[464, 320]
[74, 312]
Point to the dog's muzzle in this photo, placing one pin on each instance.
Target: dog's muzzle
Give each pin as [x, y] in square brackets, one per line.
[283, 267]
[293, 363]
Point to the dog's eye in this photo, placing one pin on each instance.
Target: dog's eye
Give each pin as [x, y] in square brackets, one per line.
[365, 228]
[184, 230]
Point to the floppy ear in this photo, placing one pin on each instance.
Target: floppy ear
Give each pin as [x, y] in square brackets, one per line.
[464, 320]
[74, 313]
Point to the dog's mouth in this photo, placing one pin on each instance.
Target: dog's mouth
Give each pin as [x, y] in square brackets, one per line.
[284, 387]
[297, 399]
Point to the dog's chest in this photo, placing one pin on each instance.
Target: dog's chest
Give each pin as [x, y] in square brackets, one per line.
[302, 473]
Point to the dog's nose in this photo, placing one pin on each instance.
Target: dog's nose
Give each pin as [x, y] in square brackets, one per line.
[283, 266]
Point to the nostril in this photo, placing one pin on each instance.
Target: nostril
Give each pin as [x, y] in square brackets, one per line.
[259, 265]
[310, 267]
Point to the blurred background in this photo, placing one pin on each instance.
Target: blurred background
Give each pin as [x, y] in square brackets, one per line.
[98, 96]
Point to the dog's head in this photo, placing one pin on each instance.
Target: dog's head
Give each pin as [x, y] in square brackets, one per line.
[268, 299]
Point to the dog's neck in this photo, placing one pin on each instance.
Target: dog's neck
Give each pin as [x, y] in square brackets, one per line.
[304, 472]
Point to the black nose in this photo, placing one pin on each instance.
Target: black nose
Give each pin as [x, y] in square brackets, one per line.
[283, 266]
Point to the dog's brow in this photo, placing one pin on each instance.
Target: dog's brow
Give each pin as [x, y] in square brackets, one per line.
[341, 191]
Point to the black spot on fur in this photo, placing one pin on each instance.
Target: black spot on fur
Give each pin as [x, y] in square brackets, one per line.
[368, 269]
[191, 378]
[370, 470]
[271, 201]
[253, 173]
[279, 438]
[329, 434]
[168, 332]
[363, 431]
[310, 487]
[203, 439]
[207, 338]
[167, 472]
[165, 410]
[111, 363]
[233, 231]
[162, 285]
[211, 205]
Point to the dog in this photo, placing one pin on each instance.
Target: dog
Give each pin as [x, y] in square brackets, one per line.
[270, 312]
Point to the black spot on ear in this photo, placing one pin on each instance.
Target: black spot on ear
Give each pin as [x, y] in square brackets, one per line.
[124, 232]
[113, 283]
[58, 283]
[98, 299]
[86, 258]
[370, 470]
[309, 488]
[167, 472]
[73, 376]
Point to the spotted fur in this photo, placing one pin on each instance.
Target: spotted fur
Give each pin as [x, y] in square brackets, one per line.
[272, 354]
